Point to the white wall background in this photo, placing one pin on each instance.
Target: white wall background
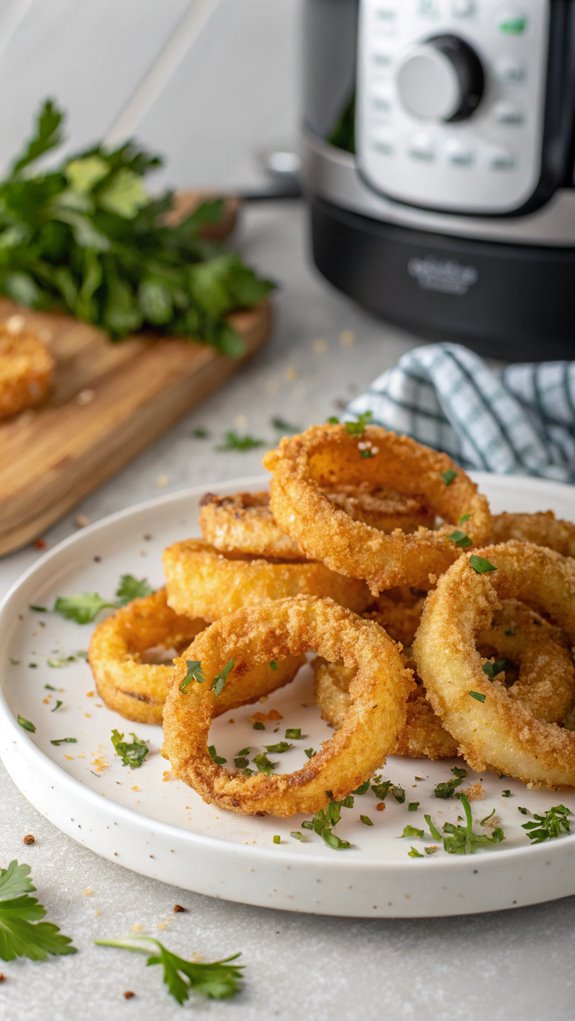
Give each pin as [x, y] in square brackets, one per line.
[208, 83]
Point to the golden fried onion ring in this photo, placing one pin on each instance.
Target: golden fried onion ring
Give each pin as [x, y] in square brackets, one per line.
[493, 729]
[244, 523]
[272, 631]
[26, 370]
[138, 689]
[302, 466]
[542, 528]
[202, 582]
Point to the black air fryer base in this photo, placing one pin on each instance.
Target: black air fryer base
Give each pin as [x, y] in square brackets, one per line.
[511, 302]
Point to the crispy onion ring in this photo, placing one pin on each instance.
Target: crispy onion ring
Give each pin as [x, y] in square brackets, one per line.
[545, 681]
[423, 736]
[26, 370]
[244, 523]
[138, 689]
[542, 528]
[495, 730]
[273, 630]
[398, 612]
[329, 455]
[202, 582]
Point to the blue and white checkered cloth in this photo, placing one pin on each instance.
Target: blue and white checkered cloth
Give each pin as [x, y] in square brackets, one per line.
[518, 421]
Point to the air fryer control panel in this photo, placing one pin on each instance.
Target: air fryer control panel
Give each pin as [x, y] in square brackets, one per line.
[451, 101]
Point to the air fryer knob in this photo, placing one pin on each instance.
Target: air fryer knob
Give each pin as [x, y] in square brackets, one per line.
[441, 79]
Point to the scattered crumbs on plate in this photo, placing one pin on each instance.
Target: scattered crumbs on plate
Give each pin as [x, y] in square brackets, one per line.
[162, 481]
[90, 694]
[85, 397]
[88, 892]
[231, 720]
[39, 544]
[319, 345]
[380, 807]
[136, 927]
[292, 374]
[264, 717]
[475, 791]
[29, 839]
[241, 421]
[135, 788]
[178, 908]
[69, 757]
[99, 763]
[167, 775]
[82, 521]
[347, 338]
[87, 716]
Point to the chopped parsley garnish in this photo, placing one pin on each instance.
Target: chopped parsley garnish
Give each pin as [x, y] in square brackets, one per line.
[294, 733]
[333, 420]
[276, 838]
[357, 428]
[506, 794]
[412, 831]
[233, 441]
[194, 672]
[363, 788]
[433, 828]
[323, 823]
[431, 850]
[65, 740]
[258, 725]
[447, 788]
[413, 806]
[57, 706]
[22, 934]
[414, 853]
[218, 759]
[215, 980]
[263, 764]
[281, 746]
[460, 539]
[132, 753]
[480, 565]
[57, 664]
[50, 687]
[381, 788]
[464, 518]
[273, 664]
[219, 682]
[449, 476]
[348, 801]
[38, 609]
[310, 752]
[241, 762]
[199, 433]
[524, 811]
[366, 452]
[366, 820]
[493, 669]
[26, 724]
[297, 835]
[477, 695]
[548, 826]
[285, 427]
[85, 607]
[462, 839]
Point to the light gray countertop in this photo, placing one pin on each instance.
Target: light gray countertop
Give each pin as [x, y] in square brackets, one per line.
[501, 966]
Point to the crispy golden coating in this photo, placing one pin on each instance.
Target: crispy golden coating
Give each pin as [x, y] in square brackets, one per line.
[26, 371]
[271, 631]
[137, 689]
[423, 736]
[542, 528]
[202, 582]
[323, 456]
[244, 523]
[493, 728]
[398, 611]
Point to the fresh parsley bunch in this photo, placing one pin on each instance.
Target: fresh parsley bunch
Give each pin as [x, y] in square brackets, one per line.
[22, 931]
[86, 238]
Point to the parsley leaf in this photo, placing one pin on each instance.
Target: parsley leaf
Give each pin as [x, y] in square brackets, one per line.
[462, 839]
[22, 934]
[460, 539]
[447, 788]
[285, 427]
[357, 428]
[83, 608]
[492, 669]
[26, 724]
[477, 695]
[131, 588]
[215, 980]
[449, 476]
[480, 565]
[263, 764]
[549, 826]
[85, 237]
[233, 441]
[324, 821]
[132, 753]
[194, 672]
[219, 682]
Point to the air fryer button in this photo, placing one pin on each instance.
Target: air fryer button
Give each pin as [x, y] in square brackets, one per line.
[428, 9]
[383, 144]
[463, 8]
[421, 148]
[509, 115]
[381, 101]
[512, 22]
[502, 161]
[382, 60]
[511, 72]
[459, 155]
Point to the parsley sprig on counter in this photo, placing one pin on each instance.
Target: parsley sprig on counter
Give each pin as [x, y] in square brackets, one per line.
[85, 237]
[22, 931]
[216, 980]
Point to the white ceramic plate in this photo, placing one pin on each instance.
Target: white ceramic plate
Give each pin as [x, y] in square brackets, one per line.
[157, 826]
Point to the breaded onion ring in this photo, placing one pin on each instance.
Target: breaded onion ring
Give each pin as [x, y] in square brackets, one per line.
[423, 736]
[244, 523]
[26, 370]
[202, 582]
[302, 466]
[273, 630]
[398, 612]
[138, 689]
[545, 681]
[542, 528]
[493, 729]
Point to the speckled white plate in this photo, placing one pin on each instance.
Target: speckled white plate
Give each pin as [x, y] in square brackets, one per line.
[148, 822]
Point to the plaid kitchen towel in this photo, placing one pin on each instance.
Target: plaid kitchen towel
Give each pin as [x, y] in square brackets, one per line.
[517, 421]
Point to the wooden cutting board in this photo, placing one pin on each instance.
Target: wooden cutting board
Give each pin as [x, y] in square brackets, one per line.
[109, 402]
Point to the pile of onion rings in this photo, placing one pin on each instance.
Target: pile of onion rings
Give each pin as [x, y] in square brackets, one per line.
[369, 552]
